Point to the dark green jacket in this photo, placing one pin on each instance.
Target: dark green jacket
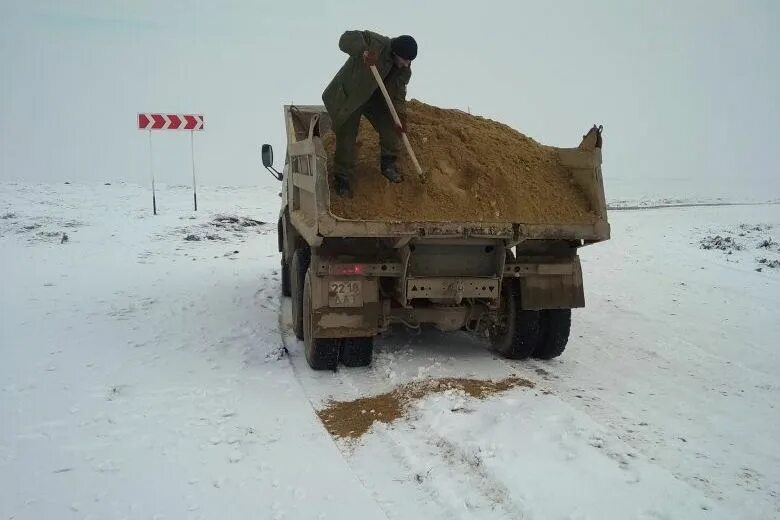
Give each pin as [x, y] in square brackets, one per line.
[354, 84]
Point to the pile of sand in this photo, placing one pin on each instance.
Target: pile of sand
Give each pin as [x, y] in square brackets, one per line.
[478, 170]
[351, 419]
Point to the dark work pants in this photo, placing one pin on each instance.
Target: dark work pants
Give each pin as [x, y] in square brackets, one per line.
[377, 113]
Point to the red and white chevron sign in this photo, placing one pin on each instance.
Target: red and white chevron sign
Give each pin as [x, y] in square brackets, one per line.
[170, 122]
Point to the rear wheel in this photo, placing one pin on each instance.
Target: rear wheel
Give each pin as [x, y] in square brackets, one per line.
[285, 278]
[298, 268]
[357, 352]
[556, 325]
[321, 353]
[518, 332]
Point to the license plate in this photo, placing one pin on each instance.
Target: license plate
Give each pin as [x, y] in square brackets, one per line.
[345, 294]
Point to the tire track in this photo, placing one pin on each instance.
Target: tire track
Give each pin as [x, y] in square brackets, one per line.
[444, 472]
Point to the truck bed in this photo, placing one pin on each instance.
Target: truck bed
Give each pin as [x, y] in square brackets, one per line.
[310, 208]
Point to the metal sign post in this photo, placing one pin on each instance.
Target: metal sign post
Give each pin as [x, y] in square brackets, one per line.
[191, 122]
[151, 172]
[192, 155]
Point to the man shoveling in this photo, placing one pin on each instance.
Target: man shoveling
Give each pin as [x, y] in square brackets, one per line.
[354, 93]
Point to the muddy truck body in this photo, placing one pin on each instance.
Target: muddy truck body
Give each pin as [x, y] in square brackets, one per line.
[511, 282]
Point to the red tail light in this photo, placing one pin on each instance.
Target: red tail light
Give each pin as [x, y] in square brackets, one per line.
[346, 269]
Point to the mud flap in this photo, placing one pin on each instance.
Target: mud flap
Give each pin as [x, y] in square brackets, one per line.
[539, 292]
[357, 317]
[346, 323]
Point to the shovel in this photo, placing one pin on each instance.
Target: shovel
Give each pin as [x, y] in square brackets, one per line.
[397, 121]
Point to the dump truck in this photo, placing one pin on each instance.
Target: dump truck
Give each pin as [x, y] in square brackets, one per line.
[513, 283]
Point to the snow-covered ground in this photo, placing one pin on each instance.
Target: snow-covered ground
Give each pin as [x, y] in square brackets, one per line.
[143, 374]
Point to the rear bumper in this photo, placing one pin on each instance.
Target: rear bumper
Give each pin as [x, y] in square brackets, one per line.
[449, 303]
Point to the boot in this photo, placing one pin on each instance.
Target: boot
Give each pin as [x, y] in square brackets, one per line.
[389, 169]
[343, 189]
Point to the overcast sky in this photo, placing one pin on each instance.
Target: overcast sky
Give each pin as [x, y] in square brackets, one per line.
[688, 91]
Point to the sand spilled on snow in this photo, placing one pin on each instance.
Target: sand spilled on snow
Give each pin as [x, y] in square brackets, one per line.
[351, 419]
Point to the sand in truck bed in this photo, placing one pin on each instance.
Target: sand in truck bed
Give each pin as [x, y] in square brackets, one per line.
[478, 170]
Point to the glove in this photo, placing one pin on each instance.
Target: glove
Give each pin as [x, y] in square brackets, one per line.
[370, 58]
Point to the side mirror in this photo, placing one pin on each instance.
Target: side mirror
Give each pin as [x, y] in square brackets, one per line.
[267, 154]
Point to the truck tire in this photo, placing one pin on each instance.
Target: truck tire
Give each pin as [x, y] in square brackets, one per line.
[285, 278]
[556, 324]
[321, 353]
[357, 352]
[298, 268]
[518, 333]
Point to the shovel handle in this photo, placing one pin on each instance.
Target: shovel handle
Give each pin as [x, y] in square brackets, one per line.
[396, 119]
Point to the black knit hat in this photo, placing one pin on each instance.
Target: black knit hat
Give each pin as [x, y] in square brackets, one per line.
[404, 46]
